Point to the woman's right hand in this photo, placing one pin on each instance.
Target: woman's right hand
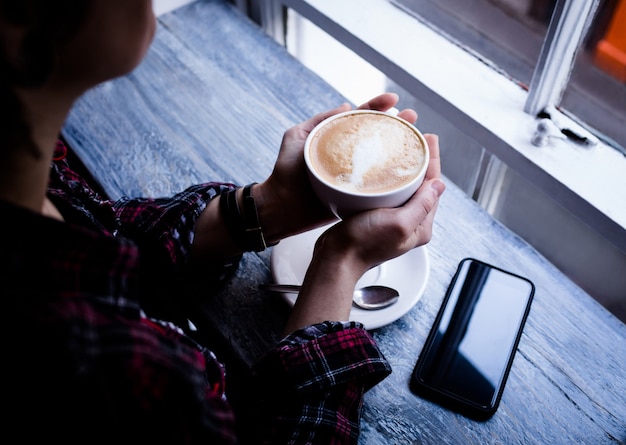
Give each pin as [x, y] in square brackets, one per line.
[351, 247]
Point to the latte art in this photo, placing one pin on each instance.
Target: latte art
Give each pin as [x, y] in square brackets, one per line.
[367, 153]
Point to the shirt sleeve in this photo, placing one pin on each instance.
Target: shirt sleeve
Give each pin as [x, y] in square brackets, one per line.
[163, 229]
[312, 384]
[166, 224]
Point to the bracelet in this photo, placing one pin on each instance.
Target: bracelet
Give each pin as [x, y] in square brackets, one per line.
[245, 229]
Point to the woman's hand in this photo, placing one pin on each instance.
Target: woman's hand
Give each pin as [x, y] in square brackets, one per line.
[382, 234]
[287, 204]
[351, 247]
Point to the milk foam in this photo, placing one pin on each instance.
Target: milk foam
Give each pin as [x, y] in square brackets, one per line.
[368, 153]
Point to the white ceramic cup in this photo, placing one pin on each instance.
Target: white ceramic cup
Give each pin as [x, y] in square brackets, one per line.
[343, 200]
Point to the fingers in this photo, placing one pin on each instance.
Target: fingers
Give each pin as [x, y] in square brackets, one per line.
[418, 213]
[422, 206]
[434, 165]
[386, 101]
[408, 115]
[382, 102]
[433, 187]
[308, 125]
[424, 201]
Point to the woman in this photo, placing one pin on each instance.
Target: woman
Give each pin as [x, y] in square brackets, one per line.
[86, 275]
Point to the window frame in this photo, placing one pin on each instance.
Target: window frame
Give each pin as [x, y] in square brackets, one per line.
[568, 26]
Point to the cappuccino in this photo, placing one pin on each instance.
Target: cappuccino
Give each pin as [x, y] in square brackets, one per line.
[367, 152]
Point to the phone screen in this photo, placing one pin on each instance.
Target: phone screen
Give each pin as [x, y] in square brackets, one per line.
[469, 351]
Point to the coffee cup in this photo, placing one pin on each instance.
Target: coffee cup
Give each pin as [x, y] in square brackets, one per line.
[364, 159]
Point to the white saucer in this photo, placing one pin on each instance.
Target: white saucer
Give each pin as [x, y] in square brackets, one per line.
[408, 274]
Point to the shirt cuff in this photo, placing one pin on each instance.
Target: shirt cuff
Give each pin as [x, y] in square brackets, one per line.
[326, 355]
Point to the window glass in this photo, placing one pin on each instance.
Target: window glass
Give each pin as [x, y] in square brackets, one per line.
[509, 34]
[596, 93]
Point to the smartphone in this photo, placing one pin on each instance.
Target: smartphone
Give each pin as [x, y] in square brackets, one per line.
[469, 351]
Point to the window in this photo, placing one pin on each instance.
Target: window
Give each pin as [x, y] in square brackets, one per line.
[565, 198]
[599, 75]
[481, 102]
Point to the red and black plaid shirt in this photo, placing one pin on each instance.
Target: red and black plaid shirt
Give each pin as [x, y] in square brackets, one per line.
[87, 365]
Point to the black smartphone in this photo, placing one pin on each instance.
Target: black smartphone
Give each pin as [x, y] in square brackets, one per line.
[469, 351]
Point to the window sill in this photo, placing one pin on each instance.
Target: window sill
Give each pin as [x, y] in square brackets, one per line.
[482, 103]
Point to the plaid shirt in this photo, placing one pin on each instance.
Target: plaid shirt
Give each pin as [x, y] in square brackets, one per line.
[87, 365]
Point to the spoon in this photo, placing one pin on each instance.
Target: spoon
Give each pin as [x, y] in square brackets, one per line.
[368, 297]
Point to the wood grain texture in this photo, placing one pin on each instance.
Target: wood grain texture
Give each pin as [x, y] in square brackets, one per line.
[211, 102]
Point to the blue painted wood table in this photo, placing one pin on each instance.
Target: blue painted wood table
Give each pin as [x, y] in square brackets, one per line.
[211, 102]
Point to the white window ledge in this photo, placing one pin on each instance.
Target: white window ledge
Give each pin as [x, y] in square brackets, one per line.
[483, 104]
[164, 6]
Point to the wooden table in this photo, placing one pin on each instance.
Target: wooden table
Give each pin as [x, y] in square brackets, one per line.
[211, 102]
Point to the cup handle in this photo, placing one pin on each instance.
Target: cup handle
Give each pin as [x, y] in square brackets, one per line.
[392, 111]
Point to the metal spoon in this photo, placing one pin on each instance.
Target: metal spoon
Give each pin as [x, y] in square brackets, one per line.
[368, 297]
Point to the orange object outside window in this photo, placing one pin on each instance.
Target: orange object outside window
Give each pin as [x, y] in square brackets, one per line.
[610, 53]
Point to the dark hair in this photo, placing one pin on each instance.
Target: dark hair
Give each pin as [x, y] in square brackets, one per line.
[48, 24]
